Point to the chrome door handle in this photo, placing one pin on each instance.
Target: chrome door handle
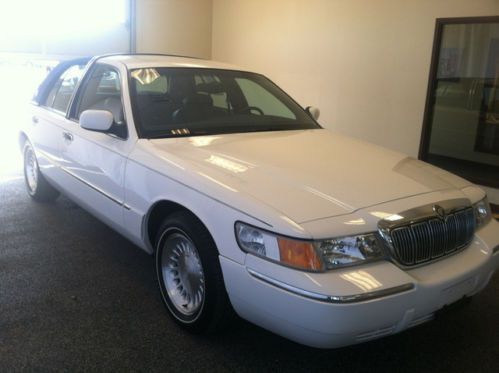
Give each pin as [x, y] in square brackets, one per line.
[34, 120]
[67, 136]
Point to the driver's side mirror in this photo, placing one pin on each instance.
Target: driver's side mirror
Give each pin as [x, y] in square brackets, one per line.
[96, 120]
[313, 112]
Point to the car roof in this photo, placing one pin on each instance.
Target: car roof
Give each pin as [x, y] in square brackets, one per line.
[137, 61]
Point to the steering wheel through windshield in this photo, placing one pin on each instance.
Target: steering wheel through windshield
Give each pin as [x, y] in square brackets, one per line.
[250, 109]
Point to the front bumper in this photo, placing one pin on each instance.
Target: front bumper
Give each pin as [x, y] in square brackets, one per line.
[356, 304]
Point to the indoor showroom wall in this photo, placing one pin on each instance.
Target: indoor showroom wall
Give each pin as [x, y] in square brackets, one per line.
[365, 64]
[174, 26]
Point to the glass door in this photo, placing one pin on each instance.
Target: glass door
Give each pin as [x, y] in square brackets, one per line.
[461, 123]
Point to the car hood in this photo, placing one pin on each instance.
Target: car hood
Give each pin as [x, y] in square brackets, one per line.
[305, 174]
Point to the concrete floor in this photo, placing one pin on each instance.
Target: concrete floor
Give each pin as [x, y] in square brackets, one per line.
[76, 296]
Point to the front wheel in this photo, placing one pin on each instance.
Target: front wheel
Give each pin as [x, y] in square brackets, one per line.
[189, 275]
[38, 188]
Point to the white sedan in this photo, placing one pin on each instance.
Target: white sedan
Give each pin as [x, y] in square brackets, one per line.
[248, 205]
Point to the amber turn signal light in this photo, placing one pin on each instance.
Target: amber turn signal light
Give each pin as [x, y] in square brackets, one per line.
[299, 254]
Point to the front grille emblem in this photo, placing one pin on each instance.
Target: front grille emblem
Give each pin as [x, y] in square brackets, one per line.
[439, 210]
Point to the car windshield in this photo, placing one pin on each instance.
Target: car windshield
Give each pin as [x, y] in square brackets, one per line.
[169, 102]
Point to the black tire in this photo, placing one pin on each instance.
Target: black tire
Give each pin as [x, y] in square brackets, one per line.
[215, 312]
[39, 189]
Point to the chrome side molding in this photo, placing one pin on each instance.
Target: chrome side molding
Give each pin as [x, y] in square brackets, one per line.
[97, 189]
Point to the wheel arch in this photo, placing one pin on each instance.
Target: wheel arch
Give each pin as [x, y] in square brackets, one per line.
[22, 138]
[157, 213]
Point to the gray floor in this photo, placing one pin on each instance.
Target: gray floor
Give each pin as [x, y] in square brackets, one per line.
[75, 296]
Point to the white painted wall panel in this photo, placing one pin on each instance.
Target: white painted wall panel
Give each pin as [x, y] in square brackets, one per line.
[365, 64]
[181, 27]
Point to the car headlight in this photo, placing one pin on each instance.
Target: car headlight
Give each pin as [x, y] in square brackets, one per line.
[309, 255]
[482, 212]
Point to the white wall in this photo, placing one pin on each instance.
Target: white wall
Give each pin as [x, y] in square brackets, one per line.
[174, 26]
[365, 64]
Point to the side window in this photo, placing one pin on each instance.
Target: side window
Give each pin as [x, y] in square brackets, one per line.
[259, 97]
[60, 94]
[102, 91]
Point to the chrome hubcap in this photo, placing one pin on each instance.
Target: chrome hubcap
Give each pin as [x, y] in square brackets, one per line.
[30, 169]
[183, 274]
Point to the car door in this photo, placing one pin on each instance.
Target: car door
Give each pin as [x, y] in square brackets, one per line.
[48, 118]
[95, 161]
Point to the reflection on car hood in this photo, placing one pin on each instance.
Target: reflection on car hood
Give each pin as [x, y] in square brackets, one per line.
[306, 174]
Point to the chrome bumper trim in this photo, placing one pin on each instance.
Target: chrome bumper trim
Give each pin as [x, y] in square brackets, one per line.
[338, 299]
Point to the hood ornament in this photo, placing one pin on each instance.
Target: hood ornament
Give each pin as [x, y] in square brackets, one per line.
[440, 211]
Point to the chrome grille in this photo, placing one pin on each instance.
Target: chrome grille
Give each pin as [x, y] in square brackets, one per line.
[429, 237]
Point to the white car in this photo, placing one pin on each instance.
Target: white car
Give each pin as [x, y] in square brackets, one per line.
[250, 206]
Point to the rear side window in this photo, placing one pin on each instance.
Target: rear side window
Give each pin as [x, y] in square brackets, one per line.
[60, 94]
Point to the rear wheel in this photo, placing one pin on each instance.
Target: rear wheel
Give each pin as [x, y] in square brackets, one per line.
[38, 188]
[189, 275]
